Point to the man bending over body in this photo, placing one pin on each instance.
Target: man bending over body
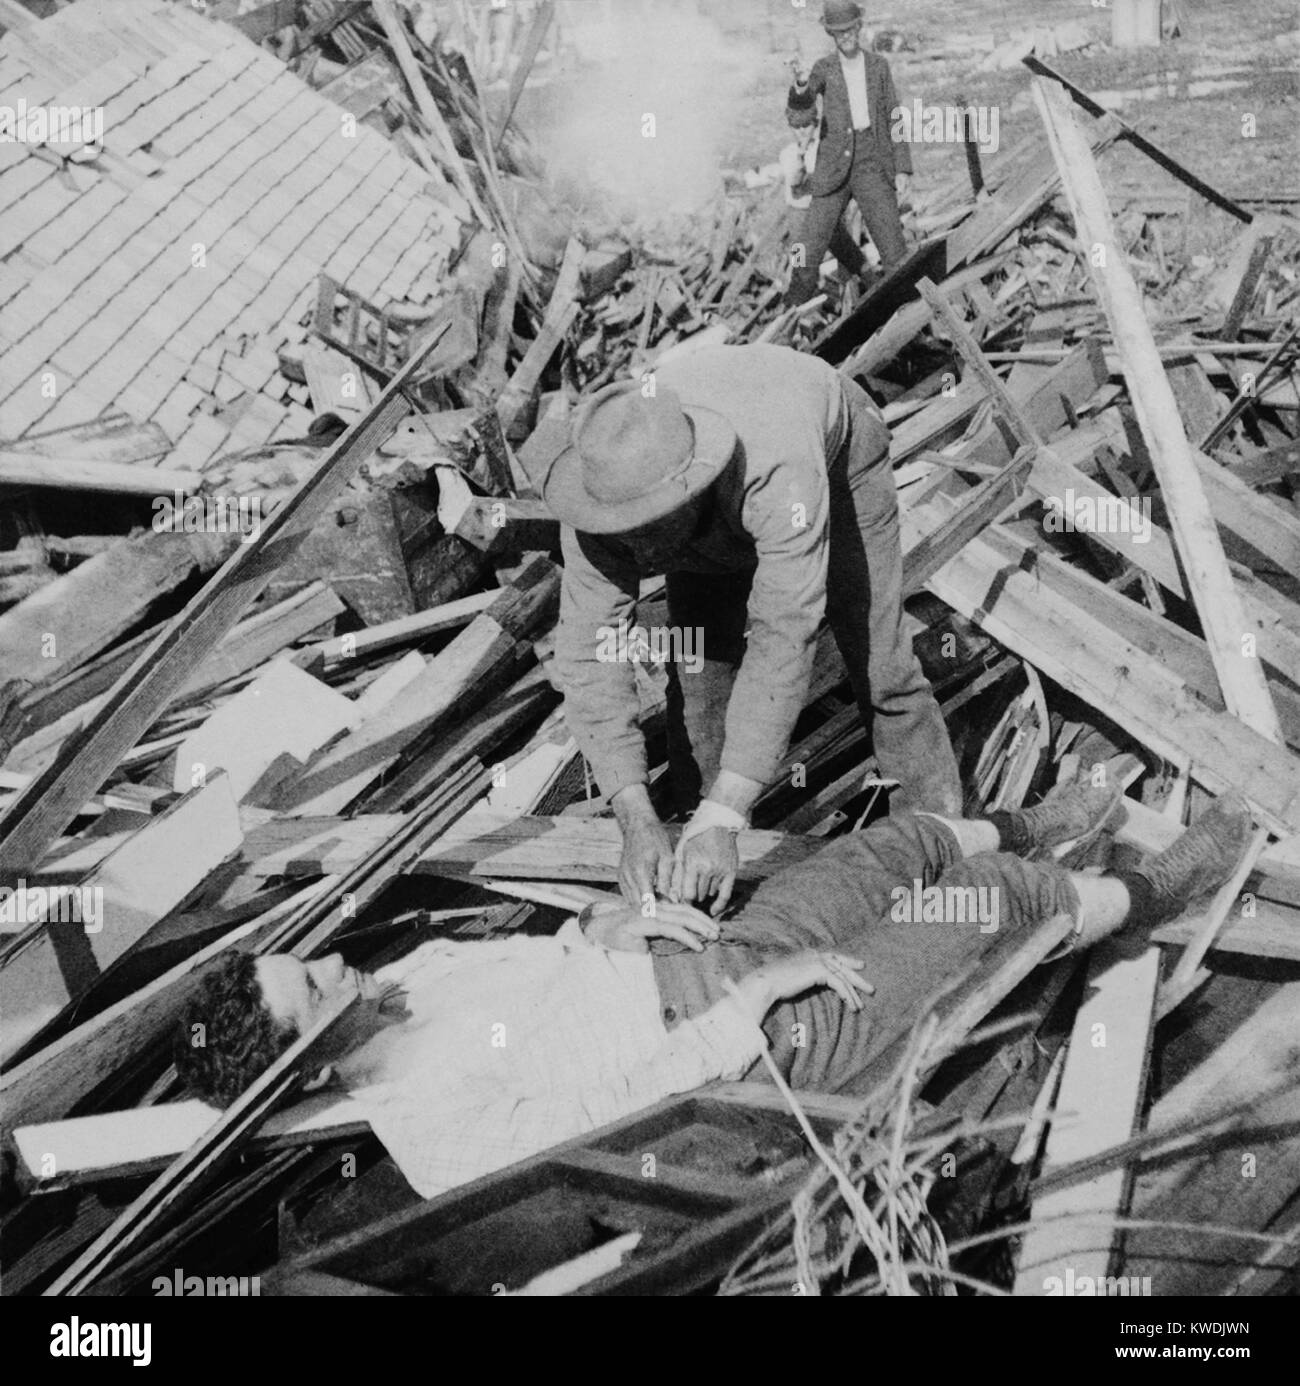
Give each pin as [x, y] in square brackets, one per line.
[506, 1047]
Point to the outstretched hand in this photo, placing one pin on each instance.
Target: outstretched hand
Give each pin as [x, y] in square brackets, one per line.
[629, 929]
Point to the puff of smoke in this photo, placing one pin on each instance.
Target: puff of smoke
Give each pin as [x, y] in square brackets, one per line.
[658, 90]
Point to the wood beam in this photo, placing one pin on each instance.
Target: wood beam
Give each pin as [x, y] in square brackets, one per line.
[1242, 679]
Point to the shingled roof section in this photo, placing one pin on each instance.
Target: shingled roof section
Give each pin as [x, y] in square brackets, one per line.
[161, 278]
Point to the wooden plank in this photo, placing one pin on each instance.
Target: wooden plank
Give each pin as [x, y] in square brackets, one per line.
[333, 381]
[884, 343]
[1027, 435]
[72, 474]
[542, 17]
[143, 1140]
[502, 525]
[1255, 519]
[1251, 1073]
[266, 20]
[1245, 295]
[1152, 703]
[479, 658]
[283, 712]
[1015, 202]
[1065, 486]
[181, 1182]
[46, 807]
[1244, 688]
[489, 842]
[51, 965]
[477, 737]
[313, 846]
[75, 617]
[251, 643]
[1270, 930]
[386, 13]
[405, 630]
[560, 313]
[1098, 1105]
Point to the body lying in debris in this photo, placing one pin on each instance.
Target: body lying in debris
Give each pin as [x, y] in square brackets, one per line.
[467, 1057]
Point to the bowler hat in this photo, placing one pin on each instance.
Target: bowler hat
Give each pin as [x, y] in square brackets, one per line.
[841, 14]
[633, 459]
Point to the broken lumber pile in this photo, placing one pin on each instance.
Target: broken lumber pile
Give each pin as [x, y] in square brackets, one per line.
[332, 722]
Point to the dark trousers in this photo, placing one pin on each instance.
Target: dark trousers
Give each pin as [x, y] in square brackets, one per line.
[844, 898]
[864, 607]
[871, 184]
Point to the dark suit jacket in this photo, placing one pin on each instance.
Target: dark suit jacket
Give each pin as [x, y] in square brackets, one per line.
[835, 153]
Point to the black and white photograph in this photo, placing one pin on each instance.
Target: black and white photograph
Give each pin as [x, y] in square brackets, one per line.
[649, 649]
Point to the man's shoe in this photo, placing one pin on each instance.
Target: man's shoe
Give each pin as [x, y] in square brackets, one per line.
[1071, 812]
[1201, 859]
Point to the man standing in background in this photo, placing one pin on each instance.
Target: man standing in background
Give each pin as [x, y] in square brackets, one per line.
[856, 158]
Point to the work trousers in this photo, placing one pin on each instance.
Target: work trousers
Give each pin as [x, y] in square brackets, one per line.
[864, 608]
[871, 184]
[849, 897]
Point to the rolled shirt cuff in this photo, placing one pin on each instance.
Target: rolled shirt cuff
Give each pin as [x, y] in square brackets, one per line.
[713, 815]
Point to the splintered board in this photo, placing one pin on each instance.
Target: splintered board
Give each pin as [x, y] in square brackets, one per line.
[52, 964]
[491, 842]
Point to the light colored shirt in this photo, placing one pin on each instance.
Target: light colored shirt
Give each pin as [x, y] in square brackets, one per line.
[769, 515]
[855, 78]
[513, 1045]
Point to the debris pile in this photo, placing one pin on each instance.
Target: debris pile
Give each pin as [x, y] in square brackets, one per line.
[328, 720]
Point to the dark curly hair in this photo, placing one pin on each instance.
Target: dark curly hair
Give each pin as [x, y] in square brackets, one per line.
[227, 1036]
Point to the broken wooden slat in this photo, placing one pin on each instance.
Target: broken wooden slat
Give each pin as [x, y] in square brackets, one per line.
[480, 657]
[1085, 656]
[1237, 1184]
[478, 736]
[1245, 294]
[404, 630]
[542, 18]
[560, 313]
[1015, 202]
[1098, 1105]
[1269, 930]
[501, 526]
[52, 964]
[185, 1177]
[386, 13]
[283, 712]
[142, 1140]
[72, 474]
[73, 619]
[49, 1084]
[1242, 680]
[488, 842]
[333, 381]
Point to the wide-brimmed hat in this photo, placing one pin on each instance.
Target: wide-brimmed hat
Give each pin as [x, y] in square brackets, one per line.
[841, 14]
[633, 459]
